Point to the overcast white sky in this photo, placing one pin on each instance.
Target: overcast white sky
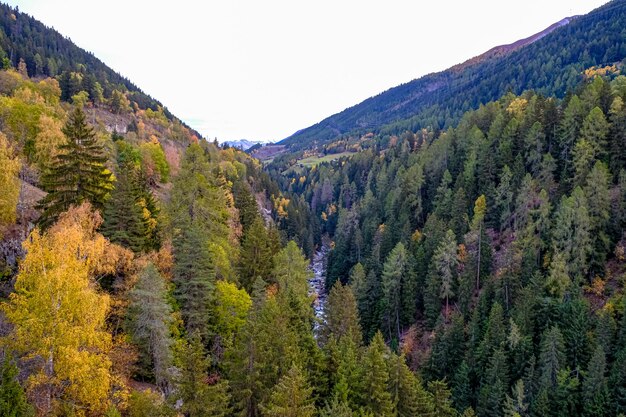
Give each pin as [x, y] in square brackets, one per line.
[262, 69]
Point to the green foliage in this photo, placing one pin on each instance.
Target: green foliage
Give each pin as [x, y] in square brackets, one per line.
[153, 160]
[552, 65]
[150, 318]
[395, 279]
[130, 214]
[256, 255]
[291, 397]
[199, 398]
[148, 404]
[78, 174]
[376, 398]
[194, 277]
[13, 401]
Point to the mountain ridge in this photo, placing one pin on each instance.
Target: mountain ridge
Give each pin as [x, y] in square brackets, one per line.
[438, 99]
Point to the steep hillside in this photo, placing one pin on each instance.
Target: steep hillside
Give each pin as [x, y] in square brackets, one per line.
[47, 53]
[550, 63]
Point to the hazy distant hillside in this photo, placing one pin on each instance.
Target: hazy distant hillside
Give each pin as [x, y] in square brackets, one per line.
[243, 144]
[551, 65]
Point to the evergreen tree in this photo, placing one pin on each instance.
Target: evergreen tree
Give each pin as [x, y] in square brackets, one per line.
[461, 387]
[445, 261]
[123, 216]
[13, 401]
[149, 324]
[194, 276]
[515, 405]
[395, 272]
[408, 395]
[494, 386]
[78, 174]
[551, 358]
[596, 398]
[256, 255]
[246, 204]
[291, 271]
[376, 398]
[291, 397]
[336, 408]
[598, 205]
[441, 399]
[199, 398]
[341, 316]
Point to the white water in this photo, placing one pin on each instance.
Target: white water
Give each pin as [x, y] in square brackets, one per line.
[317, 282]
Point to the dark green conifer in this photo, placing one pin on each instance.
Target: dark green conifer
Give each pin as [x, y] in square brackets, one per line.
[78, 174]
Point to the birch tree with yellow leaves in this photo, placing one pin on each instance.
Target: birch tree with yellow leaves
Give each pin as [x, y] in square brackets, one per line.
[58, 316]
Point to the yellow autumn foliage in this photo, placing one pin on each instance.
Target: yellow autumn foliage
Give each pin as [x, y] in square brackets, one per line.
[58, 315]
[9, 183]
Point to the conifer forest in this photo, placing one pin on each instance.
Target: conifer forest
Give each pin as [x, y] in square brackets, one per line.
[462, 255]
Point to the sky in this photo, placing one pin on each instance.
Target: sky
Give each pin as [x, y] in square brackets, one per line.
[263, 69]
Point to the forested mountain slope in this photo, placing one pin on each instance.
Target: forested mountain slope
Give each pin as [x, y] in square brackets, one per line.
[491, 254]
[47, 53]
[551, 66]
[474, 270]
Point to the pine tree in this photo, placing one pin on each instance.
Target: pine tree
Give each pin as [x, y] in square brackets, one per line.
[13, 401]
[598, 205]
[336, 408]
[445, 261]
[551, 358]
[346, 376]
[515, 405]
[199, 397]
[617, 149]
[504, 198]
[341, 316]
[246, 204]
[494, 386]
[441, 399]
[376, 398]
[480, 210]
[291, 397]
[256, 255]
[408, 395]
[78, 174]
[461, 387]
[123, 217]
[291, 270]
[617, 381]
[395, 271]
[596, 398]
[149, 324]
[194, 276]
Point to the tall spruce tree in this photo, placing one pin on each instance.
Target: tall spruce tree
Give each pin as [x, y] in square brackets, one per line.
[376, 397]
[78, 174]
[596, 397]
[194, 277]
[395, 271]
[199, 397]
[149, 324]
[123, 216]
[291, 397]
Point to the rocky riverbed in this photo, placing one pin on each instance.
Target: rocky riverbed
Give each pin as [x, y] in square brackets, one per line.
[318, 280]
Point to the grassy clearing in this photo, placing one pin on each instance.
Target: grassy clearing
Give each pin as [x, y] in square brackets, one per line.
[316, 160]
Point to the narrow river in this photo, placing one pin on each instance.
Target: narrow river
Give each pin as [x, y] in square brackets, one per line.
[318, 281]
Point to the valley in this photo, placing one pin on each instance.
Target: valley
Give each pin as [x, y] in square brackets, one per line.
[454, 246]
